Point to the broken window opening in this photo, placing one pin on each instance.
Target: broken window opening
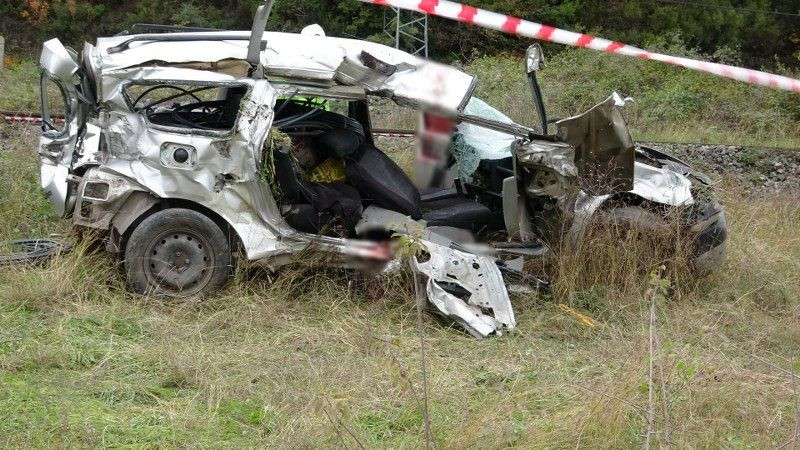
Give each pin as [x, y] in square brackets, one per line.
[188, 106]
[54, 104]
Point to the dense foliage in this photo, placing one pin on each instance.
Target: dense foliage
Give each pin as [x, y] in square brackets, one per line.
[758, 39]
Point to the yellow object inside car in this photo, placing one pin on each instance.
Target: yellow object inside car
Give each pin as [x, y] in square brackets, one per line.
[329, 171]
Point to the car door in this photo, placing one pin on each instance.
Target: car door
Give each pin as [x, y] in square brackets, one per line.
[62, 123]
[604, 148]
[189, 133]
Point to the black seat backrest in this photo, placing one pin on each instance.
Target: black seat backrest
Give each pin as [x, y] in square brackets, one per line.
[339, 142]
[382, 181]
[232, 101]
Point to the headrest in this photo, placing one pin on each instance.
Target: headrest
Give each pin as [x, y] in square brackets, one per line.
[339, 142]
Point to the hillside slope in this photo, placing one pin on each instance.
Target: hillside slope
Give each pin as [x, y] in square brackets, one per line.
[316, 357]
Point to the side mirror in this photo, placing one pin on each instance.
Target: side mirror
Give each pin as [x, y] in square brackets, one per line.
[534, 59]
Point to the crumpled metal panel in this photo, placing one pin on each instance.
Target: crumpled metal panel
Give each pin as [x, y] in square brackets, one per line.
[53, 180]
[486, 310]
[136, 145]
[553, 169]
[604, 149]
[56, 147]
[172, 52]
[99, 211]
[416, 81]
[555, 155]
[225, 177]
[56, 59]
[598, 143]
[319, 56]
[661, 185]
[547, 183]
[89, 153]
[285, 54]
[585, 206]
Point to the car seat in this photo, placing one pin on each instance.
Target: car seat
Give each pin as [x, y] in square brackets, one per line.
[315, 207]
[382, 182]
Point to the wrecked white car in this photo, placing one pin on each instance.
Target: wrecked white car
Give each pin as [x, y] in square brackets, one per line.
[171, 147]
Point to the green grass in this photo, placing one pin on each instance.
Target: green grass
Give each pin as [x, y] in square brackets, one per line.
[670, 103]
[324, 358]
[316, 358]
[19, 87]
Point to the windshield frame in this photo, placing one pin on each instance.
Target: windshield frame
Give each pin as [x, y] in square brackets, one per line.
[48, 127]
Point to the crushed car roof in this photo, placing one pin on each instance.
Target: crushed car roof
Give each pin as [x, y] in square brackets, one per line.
[382, 70]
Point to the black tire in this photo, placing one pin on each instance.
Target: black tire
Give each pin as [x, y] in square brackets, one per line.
[177, 252]
[702, 260]
[635, 216]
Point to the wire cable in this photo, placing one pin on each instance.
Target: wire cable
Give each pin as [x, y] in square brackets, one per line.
[32, 250]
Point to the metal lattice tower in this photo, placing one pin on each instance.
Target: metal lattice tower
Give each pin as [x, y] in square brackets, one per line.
[409, 29]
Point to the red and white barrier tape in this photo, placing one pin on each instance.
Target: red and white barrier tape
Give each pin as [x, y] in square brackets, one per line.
[10, 117]
[515, 25]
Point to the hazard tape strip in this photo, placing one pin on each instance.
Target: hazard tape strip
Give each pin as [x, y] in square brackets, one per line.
[11, 117]
[517, 26]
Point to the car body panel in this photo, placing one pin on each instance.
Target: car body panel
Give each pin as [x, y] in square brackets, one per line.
[119, 164]
[603, 146]
[402, 77]
[56, 147]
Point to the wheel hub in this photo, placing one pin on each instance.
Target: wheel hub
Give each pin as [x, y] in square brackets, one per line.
[179, 261]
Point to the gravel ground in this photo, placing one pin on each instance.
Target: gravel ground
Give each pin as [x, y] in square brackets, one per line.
[759, 170]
